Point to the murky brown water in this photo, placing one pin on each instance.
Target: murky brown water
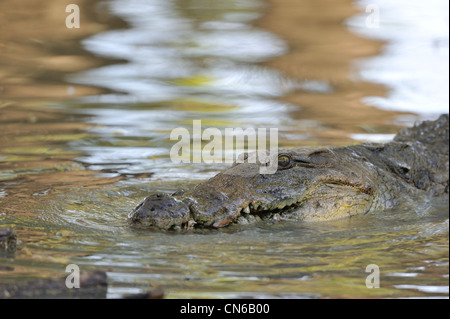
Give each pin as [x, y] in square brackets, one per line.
[85, 120]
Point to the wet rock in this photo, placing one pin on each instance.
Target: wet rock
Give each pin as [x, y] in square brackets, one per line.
[8, 240]
[93, 285]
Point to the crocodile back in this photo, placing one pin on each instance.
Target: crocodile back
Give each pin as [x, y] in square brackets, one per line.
[430, 142]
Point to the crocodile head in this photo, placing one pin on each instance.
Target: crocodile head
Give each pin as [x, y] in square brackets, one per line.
[309, 184]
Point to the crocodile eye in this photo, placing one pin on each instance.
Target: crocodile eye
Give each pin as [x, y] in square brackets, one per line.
[284, 161]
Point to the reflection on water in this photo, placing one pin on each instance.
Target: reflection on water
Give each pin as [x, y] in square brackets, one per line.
[184, 63]
[414, 64]
[71, 170]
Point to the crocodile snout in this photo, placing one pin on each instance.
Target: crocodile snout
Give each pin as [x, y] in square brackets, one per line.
[161, 211]
[202, 208]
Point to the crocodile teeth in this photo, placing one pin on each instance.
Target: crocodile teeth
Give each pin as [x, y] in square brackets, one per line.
[246, 210]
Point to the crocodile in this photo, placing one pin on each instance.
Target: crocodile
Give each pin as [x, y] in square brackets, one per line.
[312, 184]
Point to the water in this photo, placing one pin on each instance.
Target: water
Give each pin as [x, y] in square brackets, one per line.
[185, 63]
[85, 136]
[414, 64]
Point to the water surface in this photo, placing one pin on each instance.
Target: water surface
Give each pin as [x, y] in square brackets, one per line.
[86, 115]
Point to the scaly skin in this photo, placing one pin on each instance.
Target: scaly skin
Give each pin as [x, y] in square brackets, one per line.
[320, 183]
